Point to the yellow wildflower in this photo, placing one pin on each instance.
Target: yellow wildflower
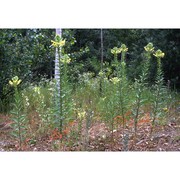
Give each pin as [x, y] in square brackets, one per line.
[15, 81]
[58, 44]
[116, 50]
[159, 54]
[149, 47]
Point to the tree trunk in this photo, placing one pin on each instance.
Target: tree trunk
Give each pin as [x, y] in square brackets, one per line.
[102, 49]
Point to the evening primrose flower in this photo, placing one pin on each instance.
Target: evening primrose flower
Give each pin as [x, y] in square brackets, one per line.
[159, 54]
[115, 80]
[149, 47]
[116, 50]
[65, 59]
[124, 48]
[15, 81]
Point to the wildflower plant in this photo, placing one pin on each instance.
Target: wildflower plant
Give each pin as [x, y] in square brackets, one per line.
[108, 107]
[63, 105]
[140, 85]
[158, 88]
[115, 51]
[123, 85]
[115, 99]
[19, 119]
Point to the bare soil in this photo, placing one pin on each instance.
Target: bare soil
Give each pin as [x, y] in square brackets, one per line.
[100, 138]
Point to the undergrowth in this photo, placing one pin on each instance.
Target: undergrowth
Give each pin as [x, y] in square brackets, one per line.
[66, 118]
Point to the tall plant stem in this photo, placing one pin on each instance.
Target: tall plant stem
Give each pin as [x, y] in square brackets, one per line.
[138, 104]
[58, 82]
[159, 84]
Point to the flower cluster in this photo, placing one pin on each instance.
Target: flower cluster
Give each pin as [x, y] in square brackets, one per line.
[116, 50]
[149, 48]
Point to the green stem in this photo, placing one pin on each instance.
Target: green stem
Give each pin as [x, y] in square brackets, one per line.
[159, 83]
[60, 92]
[17, 101]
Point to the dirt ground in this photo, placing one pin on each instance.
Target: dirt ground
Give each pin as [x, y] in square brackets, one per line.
[100, 138]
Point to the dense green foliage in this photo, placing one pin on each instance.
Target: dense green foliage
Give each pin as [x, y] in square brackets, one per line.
[27, 53]
[24, 53]
[166, 39]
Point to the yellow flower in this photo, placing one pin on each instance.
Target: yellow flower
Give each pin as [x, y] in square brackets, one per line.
[15, 81]
[115, 80]
[149, 47]
[59, 42]
[159, 54]
[124, 48]
[116, 50]
[165, 109]
[81, 114]
[11, 83]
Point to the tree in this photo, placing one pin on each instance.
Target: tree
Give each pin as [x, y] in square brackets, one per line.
[25, 53]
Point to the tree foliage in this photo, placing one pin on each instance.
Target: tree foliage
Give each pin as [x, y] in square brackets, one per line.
[27, 53]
